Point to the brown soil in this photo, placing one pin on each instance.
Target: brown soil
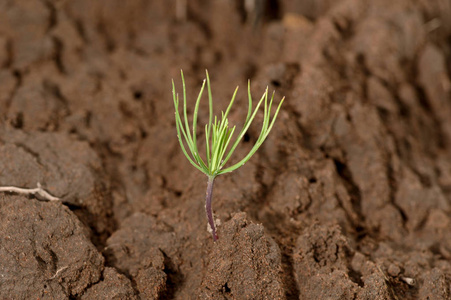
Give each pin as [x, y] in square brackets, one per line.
[349, 198]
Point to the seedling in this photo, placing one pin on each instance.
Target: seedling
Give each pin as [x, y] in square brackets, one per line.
[218, 137]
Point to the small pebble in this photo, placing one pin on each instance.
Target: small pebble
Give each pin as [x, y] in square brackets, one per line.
[393, 270]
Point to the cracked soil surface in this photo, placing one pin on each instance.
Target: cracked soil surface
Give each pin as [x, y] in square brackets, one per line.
[348, 198]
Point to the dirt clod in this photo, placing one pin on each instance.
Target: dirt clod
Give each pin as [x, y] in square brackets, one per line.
[244, 263]
[33, 250]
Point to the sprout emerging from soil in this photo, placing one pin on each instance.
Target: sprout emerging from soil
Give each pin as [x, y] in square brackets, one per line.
[218, 137]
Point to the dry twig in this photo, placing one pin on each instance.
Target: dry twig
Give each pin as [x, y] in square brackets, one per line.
[39, 191]
[58, 272]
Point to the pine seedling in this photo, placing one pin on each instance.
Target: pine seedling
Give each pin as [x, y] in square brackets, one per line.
[218, 137]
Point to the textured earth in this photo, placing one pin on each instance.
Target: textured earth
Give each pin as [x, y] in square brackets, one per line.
[349, 197]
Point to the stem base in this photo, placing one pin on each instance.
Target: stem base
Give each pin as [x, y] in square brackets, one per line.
[208, 209]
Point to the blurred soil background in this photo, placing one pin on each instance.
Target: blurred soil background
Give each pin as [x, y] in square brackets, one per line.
[349, 197]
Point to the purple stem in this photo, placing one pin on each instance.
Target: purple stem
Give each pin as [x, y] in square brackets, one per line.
[208, 207]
